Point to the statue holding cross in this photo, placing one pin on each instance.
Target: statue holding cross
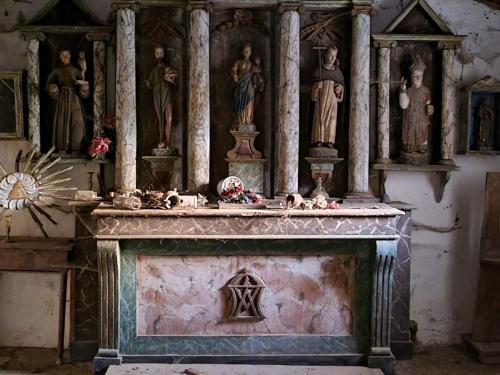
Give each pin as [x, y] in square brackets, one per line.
[327, 91]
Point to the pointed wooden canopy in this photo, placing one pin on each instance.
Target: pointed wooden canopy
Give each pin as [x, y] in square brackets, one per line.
[436, 30]
[55, 12]
[427, 9]
[64, 16]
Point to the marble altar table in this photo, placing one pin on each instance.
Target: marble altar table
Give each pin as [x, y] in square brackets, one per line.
[325, 281]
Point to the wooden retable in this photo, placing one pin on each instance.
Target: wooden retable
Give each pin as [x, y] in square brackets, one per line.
[22, 254]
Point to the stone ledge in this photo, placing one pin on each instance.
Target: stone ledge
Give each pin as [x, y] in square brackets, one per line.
[417, 168]
[164, 369]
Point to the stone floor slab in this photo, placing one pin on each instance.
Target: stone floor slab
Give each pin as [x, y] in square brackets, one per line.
[164, 369]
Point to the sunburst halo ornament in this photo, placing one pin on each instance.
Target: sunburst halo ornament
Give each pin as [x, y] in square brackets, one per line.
[34, 186]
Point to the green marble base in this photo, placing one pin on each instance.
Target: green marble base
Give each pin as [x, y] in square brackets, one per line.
[251, 172]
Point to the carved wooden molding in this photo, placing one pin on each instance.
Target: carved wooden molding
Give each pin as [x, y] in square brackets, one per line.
[201, 4]
[451, 44]
[290, 6]
[245, 290]
[243, 17]
[419, 38]
[30, 35]
[385, 43]
[95, 36]
[160, 26]
[361, 10]
[319, 29]
[120, 5]
[108, 258]
[382, 298]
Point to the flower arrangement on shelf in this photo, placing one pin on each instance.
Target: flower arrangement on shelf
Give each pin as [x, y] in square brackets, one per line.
[99, 147]
[237, 194]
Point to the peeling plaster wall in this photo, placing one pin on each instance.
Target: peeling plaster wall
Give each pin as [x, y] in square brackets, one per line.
[445, 266]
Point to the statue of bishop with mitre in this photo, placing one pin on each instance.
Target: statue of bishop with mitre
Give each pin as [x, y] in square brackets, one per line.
[417, 108]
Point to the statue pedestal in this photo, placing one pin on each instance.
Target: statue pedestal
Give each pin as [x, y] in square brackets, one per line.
[414, 158]
[165, 152]
[162, 168]
[250, 171]
[244, 147]
[321, 172]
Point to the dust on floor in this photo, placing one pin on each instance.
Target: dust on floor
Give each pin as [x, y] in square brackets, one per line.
[431, 361]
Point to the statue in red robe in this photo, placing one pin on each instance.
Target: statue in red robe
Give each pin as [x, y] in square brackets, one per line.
[416, 105]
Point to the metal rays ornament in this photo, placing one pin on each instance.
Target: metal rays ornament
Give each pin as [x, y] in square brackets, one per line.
[33, 187]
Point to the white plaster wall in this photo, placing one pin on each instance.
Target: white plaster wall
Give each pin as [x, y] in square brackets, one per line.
[445, 266]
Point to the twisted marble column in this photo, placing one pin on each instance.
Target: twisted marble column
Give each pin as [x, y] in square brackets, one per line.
[289, 102]
[384, 83]
[447, 108]
[126, 118]
[359, 123]
[199, 101]
[33, 57]
[99, 47]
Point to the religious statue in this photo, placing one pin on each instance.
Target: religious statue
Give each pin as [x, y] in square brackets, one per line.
[486, 117]
[249, 84]
[327, 91]
[67, 86]
[417, 108]
[163, 82]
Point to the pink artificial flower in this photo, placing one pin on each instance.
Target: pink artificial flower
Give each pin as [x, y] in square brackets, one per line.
[333, 206]
[99, 146]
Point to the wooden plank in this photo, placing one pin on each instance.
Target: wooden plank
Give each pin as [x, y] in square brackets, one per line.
[35, 244]
[487, 315]
[29, 260]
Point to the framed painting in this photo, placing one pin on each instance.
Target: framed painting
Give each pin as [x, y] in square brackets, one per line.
[482, 117]
[11, 105]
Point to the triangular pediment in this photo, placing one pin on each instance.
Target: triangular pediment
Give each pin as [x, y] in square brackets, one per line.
[418, 18]
[65, 13]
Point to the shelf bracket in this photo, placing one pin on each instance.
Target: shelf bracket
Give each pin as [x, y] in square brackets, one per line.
[441, 179]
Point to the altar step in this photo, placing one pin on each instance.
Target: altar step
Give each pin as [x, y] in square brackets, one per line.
[165, 369]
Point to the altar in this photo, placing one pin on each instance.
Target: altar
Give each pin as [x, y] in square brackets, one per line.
[326, 279]
[276, 95]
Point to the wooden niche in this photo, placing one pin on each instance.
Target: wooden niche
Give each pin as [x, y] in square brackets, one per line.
[481, 117]
[65, 25]
[417, 31]
[160, 26]
[402, 57]
[318, 31]
[230, 29]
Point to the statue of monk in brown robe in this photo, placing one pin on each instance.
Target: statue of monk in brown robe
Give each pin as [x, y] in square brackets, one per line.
[67, 86]
[327, 91]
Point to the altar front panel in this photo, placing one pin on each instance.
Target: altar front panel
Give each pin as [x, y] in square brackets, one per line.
[316, 299]
[304, 295]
